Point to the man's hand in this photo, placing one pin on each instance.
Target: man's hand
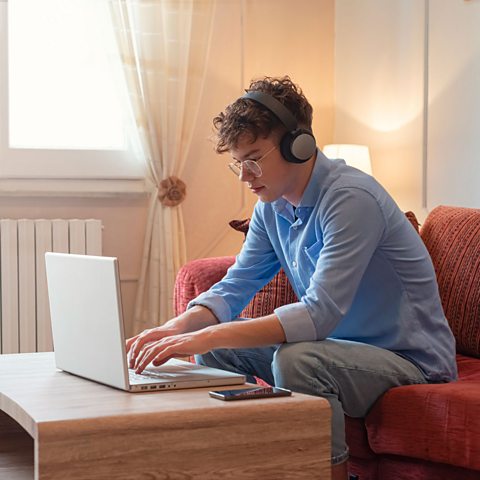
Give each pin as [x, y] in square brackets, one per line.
[136, 344]
[163, 349]
[197, 318]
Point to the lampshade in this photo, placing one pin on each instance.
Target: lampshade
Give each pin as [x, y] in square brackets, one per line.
[356, 156]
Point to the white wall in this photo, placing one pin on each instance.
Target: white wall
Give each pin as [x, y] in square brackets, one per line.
[379, 58]
[454, 104]
[417, 109]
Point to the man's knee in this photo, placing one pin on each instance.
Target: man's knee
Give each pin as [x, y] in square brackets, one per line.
[291, 366]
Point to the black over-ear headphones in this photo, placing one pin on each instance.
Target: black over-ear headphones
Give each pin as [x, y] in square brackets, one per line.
[298, 144]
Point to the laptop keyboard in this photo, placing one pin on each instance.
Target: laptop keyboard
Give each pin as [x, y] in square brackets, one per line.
[148, 377]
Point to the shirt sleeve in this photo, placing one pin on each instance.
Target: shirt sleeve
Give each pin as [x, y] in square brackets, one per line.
[255, 266]
[352, 224]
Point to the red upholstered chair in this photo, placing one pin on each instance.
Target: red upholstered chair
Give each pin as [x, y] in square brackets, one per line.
[428, 432]
[419, 432]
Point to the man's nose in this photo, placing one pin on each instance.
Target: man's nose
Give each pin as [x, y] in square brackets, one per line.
[245, 174]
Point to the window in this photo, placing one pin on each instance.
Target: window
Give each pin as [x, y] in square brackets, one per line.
[62, 93]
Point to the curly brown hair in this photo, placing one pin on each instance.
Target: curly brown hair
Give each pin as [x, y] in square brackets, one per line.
[246, 117]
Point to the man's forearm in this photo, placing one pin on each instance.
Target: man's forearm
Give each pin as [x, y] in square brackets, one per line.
[247, 333]
[195, 318]
[197, 331]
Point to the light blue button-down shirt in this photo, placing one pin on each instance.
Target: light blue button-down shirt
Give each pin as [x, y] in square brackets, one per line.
[360, 270]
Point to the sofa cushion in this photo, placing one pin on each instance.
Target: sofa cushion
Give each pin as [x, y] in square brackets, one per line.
[274, 294]
[196, 277]
[452, 237]
[434, 422]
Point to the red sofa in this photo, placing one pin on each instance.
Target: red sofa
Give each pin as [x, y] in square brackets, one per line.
[418, 432]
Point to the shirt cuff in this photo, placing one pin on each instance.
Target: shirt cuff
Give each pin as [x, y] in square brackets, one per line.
[296, 322]
[215, 303]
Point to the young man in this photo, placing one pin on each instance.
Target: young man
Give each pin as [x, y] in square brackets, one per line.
[369, 316]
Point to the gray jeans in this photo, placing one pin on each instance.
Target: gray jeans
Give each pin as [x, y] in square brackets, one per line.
[350, 375]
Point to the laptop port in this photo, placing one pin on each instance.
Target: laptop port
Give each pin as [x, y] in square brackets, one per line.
[153, 387]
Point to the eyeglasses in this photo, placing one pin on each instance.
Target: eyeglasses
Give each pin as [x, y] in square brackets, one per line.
[252, 166]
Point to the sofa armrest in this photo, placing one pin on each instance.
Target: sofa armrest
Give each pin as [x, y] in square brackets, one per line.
[196, 277]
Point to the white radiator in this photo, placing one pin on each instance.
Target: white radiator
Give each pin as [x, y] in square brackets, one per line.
[25, 314]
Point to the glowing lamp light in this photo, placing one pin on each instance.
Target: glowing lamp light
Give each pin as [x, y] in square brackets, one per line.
[357, 156]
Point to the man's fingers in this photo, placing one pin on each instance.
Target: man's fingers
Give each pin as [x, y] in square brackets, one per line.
[161, 350]
[160, 360]
[148, 356]
[130, 342]
[144, 353]
[142, 339]
[143, 363]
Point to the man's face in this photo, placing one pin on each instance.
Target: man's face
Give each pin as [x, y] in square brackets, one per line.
[277, 176]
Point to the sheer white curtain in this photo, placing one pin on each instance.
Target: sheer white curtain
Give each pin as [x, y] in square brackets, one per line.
[164, 46]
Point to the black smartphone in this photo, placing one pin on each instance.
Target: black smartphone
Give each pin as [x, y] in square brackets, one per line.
[250, 393]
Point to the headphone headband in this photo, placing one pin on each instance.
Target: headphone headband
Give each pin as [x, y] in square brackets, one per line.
[276, 107]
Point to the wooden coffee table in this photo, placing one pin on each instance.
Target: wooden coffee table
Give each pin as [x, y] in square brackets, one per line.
[57, 426]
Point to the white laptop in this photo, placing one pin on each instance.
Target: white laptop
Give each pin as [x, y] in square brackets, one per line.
[88, 331]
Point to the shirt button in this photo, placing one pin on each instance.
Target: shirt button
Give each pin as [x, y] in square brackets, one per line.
[295, 227]
[294, 264]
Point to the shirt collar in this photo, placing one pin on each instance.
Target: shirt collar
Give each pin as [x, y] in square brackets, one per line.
[284, 208]
[317, 183]
[318, 180]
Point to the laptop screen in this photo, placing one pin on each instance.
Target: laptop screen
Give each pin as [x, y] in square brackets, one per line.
[86, 316]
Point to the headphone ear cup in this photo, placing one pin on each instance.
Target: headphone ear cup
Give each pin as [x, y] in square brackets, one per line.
[285, 148]
[298, 146]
